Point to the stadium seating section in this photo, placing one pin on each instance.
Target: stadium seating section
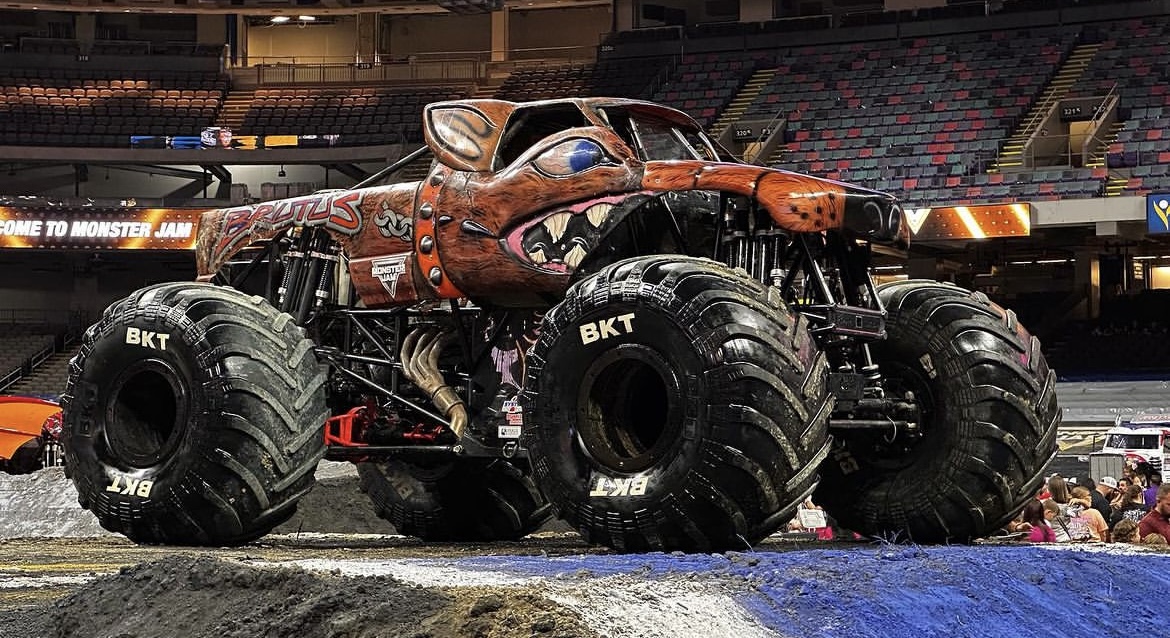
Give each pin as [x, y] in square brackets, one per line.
[379, 115]
[55, 107]
[605, 78]
[925, 118]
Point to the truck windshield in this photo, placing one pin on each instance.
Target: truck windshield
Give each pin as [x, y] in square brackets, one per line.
[658, 139]
[1132, 441]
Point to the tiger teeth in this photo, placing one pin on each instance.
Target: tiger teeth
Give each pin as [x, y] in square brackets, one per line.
[573, 257]
[556, 225]
[597, 213]
[538, 257]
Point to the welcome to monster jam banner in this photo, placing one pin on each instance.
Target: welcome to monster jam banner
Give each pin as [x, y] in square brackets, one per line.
[93, 229]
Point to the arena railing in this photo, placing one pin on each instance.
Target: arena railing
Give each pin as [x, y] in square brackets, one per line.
[11, 378]
[439, 66]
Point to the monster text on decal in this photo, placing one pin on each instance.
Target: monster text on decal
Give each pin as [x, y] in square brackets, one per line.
[388, 271]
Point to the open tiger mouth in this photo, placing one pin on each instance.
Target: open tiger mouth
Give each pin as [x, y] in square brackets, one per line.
[559, 241]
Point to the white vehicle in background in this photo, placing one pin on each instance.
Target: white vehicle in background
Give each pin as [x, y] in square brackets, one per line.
[1143, 438]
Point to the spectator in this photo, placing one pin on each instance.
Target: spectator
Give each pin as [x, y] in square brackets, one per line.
[1097, 527]
[1104, 492]
[1036, 518]
[1154, 539]
[1151, 492]
[1058, 489]
[1123, 484]
[811, 518]
[1157, 521]
[1126, 531]
[1131, 506]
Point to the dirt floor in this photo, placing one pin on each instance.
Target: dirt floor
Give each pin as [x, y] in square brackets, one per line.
[337, 571]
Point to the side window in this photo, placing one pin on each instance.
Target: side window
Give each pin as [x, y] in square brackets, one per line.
[530, 125]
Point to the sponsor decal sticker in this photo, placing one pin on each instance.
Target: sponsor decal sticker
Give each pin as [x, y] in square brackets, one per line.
[146, 338]
[127, 486]
[388, 271]
[609, 487]
[606, 328]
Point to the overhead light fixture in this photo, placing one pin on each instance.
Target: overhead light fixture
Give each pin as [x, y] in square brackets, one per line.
[279, 19]
[307, 18]
[281, 172]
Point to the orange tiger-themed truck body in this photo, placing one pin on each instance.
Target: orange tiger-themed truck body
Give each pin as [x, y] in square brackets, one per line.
[520, 195]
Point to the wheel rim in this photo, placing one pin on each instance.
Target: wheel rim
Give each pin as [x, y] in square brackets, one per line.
[628, 409]
[146, 415]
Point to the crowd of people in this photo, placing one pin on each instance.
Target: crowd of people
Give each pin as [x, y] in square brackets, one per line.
[1134, 508]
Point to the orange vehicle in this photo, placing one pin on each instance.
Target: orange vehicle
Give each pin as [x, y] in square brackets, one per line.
[27, 426]
[585, 309]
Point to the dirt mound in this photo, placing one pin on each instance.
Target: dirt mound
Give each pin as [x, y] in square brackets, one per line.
[46, 504]
[43, 504]
[201, 596]
[336, 505]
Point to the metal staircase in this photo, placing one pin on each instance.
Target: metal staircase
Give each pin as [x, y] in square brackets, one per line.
[235, 107]
[488, 89]
[742, 100]
[1012, 153]
[1115, 185]
[1097, 158]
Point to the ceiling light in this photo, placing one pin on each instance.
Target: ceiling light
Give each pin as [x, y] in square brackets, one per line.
[279, 19]
[306, 18]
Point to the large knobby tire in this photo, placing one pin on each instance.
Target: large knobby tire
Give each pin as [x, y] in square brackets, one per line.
[463, 500]
[675, 404]
[193, 415]
[988, 422]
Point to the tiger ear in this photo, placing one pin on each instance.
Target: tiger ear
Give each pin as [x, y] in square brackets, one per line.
[464, 135]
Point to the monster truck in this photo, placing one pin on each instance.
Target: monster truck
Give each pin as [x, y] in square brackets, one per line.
[29, 432]
[586, 309]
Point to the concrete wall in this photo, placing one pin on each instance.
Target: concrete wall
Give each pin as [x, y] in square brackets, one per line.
[544, 29]
[336, 42]
[404, 35]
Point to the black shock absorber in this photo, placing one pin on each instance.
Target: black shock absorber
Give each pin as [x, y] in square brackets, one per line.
[736, 250]
[308, 275]
[321, 270]
[293, 271]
